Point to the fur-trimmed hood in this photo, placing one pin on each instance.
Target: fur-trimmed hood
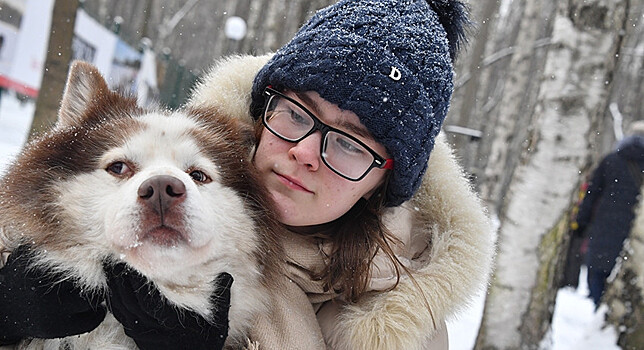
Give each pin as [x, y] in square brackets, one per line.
[445, 213]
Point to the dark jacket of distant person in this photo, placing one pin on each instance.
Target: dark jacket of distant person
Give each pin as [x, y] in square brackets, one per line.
[607, 211]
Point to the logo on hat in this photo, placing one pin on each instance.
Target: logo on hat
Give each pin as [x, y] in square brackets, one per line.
[395, 74]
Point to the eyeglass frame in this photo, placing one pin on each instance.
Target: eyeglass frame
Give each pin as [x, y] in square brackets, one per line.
[378, 161]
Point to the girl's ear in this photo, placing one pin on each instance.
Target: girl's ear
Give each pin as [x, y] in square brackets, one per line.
[85, 86]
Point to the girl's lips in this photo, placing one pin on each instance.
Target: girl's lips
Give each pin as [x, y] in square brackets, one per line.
[292, 183]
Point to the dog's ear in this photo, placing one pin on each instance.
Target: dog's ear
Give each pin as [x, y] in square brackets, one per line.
[85, 86]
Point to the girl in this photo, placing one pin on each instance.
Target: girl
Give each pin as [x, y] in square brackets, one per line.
[347, 114]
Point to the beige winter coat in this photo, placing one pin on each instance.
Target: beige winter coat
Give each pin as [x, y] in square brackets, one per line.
[449, 245]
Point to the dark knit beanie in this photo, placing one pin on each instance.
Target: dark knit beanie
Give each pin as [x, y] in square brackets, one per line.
[388, 61]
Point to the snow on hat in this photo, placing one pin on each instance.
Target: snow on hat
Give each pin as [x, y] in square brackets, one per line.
[388, 61]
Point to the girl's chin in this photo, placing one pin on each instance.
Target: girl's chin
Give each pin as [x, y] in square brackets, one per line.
[293, 213]
[289, 212]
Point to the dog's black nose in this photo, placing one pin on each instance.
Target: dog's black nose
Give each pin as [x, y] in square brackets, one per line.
[161, 192]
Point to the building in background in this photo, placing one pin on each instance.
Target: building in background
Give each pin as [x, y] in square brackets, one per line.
[24, 33]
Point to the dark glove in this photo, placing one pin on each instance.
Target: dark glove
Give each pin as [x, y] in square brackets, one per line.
[153, 323]
[35, 303]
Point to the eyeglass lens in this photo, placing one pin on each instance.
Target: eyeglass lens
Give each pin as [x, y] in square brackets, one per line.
[340, 152]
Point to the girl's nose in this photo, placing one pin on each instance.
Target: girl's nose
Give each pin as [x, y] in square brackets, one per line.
[307, 151]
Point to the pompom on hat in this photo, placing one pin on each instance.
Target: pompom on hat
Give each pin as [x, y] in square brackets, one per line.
[388, 61]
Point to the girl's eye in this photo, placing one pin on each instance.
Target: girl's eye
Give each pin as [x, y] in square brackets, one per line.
[297, 118]
[119, 169]
[348, 146]
[199, 176]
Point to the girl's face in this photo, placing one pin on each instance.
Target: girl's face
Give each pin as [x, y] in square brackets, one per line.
[305, 191]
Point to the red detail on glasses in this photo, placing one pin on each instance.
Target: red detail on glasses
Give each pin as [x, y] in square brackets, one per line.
[389, 164]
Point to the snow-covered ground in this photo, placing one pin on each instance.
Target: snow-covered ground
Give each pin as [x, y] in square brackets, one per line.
[575, 326]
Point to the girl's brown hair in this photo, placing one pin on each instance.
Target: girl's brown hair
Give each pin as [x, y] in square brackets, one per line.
[359, 235]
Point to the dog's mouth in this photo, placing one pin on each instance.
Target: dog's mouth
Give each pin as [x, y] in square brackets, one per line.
[164, 235]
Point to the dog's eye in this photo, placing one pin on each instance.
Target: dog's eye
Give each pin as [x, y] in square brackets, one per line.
[118, 169]
[199, 176]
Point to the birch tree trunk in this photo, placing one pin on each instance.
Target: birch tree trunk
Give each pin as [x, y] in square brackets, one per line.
[514, 108]
[625, 294]
[572, 97]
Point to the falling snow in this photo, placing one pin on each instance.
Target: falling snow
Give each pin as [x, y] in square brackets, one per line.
[576, 326]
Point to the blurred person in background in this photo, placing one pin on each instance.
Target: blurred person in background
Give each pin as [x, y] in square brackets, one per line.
[607, 211]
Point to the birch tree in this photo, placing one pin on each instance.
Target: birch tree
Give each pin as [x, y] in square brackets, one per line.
[513, 109]
[572, 97]
[625, 294]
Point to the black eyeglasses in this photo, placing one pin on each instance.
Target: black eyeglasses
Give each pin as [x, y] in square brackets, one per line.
[341, 152]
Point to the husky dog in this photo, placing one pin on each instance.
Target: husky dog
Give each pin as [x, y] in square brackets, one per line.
[172, 194]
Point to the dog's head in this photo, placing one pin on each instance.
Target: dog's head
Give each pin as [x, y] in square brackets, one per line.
[164, 191]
